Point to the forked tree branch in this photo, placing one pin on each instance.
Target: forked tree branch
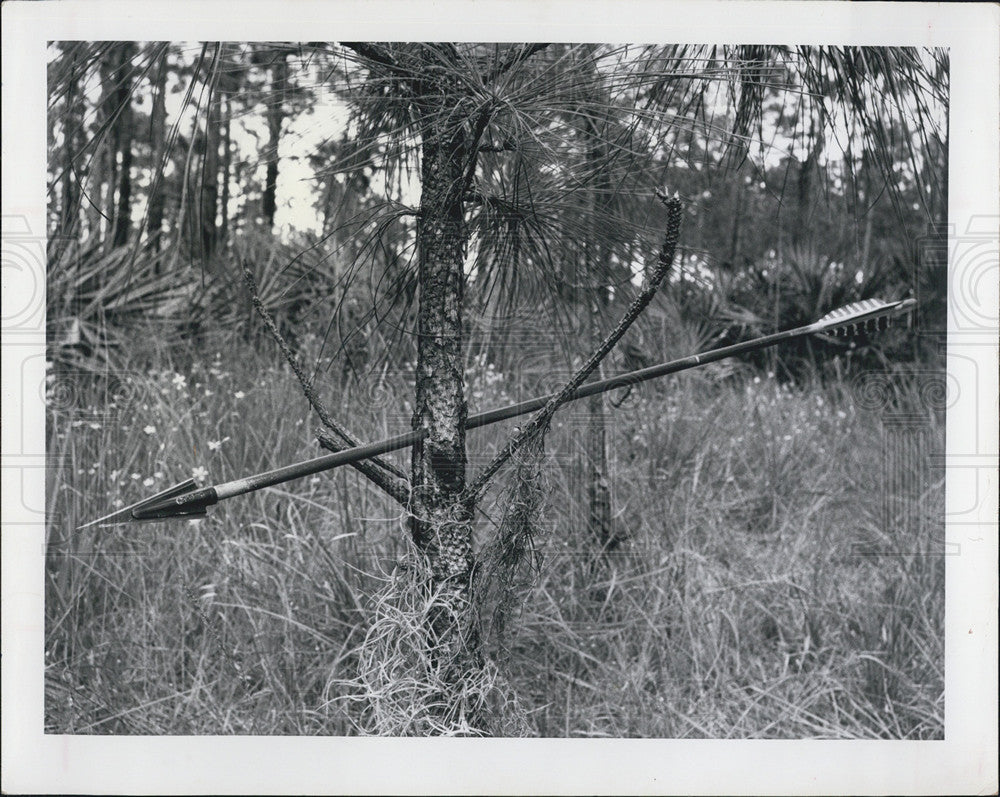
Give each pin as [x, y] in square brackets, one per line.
[378, 470]
[544, 415]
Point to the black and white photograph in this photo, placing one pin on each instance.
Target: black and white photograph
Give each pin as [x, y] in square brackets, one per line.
[441, 385]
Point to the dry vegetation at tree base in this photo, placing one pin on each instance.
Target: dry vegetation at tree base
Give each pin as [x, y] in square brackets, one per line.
[760, 593]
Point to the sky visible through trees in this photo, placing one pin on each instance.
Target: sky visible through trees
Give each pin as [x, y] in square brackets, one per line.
[328, 117]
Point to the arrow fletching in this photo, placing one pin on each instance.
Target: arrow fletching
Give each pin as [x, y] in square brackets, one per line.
[867, 315]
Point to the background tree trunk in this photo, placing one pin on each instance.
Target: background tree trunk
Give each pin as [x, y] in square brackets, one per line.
[209, 205]
[595, 271]
[595, 268]
[275, 116]
[99, 171]
[227, 164]
[157, 141]
[69, 199]
[807, 170]
[123, 143]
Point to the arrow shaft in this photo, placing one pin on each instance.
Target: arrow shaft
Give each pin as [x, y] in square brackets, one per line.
[207, 496]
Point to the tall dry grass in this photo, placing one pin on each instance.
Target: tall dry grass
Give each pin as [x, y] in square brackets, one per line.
[769, 586]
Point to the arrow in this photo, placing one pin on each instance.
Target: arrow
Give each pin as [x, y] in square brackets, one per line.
[133, 511]
[187, 500]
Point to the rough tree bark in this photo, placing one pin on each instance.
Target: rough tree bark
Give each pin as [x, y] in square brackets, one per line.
[441, 525]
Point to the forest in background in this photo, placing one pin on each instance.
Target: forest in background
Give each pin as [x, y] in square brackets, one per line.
[794, 209]
[810, 178]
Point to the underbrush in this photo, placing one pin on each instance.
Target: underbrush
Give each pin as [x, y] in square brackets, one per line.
[776, 581]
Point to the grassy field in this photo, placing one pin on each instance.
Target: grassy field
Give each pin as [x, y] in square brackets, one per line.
[777, 582]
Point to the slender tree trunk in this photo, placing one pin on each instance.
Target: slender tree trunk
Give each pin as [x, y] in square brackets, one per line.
[598, 489]
[109, 205]
[210, 176]
[441, 526]
[275, 116]
[124, 136]
[734, 237]
[595, 271]
[805, 183]
[595, 267]
[227, 164]
[157, 139]
[98, 172]
[69, 198]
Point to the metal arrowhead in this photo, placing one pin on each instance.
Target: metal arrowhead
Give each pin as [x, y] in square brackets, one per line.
[126, 514]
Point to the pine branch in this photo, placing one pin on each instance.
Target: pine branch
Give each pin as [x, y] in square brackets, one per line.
[373, 52]
[380, 471]
[378, 55]
[541, 419]
[514, 57]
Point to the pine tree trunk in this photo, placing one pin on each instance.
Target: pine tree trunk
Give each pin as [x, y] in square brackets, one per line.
[441, 526]
[97, 175]
[69, 198]
[210, 177]
[805, 183]
[157, 138]
[275, 116]
[598, 490]
[227, 165]
[595, 267]
[123, 137]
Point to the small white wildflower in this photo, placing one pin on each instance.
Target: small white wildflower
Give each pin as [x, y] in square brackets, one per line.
[136, 476]
[149, 429]
[239, 394]
[180, 381]
[215, 445]
[149, 481]
[200, 472]
[94, 425]
[118, 502]
[158, 474]
[756, 380]
[841, 414]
